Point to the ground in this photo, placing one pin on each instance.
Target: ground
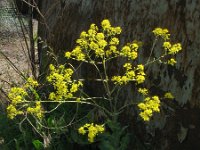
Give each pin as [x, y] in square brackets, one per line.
[15, 51]
[13, 54]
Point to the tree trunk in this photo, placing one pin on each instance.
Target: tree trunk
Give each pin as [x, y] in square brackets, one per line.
[63, 21]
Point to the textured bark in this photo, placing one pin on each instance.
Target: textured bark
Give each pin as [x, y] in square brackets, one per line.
[24, 7]
[64, 20]
[137, 18]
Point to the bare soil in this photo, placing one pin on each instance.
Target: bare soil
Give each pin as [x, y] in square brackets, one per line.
[14, 60]
[13, 54]
[15, 50]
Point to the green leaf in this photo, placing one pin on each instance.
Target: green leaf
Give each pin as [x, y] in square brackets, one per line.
[50, 122]
[37, 144]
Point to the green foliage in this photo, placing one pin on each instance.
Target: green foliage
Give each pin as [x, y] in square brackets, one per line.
[37, 144]
[14, 137]
[116, 138]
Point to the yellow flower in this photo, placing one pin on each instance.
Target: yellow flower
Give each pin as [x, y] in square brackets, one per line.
[78, 99]
[130, 75]
[167, 45]
[93, 27]
[93, 45]
[130, 51]
[99, 52]
[118, 30]
[156, 108]
[172, 61]
[140, 79]
[140, 67]
[102, 44]
[64, 86]
[175, 48]
[134, 46]
[133, 55]
[143, 91]
[144, 116]
[67, 54]
[156, 99]
[86, 125]
[30, 82]
[148, 112]
[125, 51]
[128, 66]
[91, 34]
[147, 99]
[83, 43]
[83, 35]
[13, 112]
[78, 54]
[74, 88]
[52, 96]
[51, 67]
[17, 95]
[150, 105]
[114, 41]
[117, 80]
[142, 106]
[163, 33]
[92, 130]
[37, 110]
[18, 99]
[168, 95]
[100, 128]
[105, 24]
[100, 36]
[94, 40]
[81, 130]
[112, 50]
[124, 79]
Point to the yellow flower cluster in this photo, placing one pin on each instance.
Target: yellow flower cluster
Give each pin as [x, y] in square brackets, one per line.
[108, 29]
[112, 50]
[30, 82]
[36, 111]
[102, 43]
[143, 91]
[137, 74]
[19, 100]
[163, 33]
[168, 95]
[64, 86]
[150, 105]
[140, 77]
[130, 51]
[171, 61]
[170, 49]
[13, 112]
[92, 130]
[17, 96]
[76, 53]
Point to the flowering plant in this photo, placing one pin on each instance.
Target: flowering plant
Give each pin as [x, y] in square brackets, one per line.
[98, 47]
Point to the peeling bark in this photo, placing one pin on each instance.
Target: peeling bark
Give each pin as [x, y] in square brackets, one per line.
[63, 23]
[137, 18]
